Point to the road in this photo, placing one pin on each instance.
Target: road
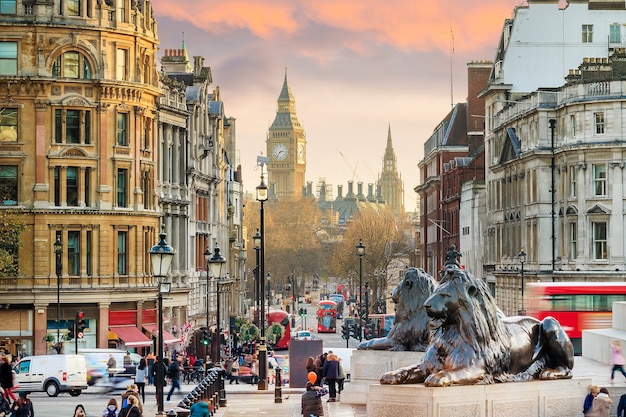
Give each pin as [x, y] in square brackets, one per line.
[331, 340]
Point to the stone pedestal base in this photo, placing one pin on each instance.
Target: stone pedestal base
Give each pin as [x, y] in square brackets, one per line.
[367, 366]
[563, 398]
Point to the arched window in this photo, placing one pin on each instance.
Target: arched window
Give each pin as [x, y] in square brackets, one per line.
[71, 64]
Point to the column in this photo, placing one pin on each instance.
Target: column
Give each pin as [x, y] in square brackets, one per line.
[102, 327]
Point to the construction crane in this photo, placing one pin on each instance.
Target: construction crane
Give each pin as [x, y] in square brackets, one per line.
[353, 169]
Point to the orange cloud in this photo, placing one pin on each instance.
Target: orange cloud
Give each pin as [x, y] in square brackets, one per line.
[402, 24]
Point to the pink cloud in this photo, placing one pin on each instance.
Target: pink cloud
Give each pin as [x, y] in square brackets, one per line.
[401, 24]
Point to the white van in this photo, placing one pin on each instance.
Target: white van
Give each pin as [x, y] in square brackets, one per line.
[52, 374]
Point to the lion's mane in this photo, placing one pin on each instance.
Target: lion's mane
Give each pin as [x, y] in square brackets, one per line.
[471, 322]
[410, 331]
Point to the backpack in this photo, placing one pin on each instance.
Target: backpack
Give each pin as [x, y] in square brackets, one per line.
[124, 403]
[110, 412]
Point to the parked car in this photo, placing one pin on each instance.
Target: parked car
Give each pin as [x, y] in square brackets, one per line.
[52, 374]
[303, 335]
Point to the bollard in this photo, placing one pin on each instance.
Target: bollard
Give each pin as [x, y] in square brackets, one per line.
[278, 391]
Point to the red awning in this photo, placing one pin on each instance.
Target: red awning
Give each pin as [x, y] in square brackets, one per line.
[131, 336]
[168, 338]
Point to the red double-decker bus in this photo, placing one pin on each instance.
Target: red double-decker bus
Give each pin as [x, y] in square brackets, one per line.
[327, 317]
[576, 305]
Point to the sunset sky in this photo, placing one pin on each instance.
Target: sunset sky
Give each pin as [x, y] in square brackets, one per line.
[355, 67]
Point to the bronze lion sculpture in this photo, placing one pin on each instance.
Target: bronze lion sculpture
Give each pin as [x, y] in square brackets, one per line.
[472, 343]
[410, 331]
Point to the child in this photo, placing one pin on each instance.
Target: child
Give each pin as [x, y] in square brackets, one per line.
[617, 358]
[312, 398]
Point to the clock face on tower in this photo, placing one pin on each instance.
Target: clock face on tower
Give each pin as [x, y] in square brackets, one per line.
[279, 152]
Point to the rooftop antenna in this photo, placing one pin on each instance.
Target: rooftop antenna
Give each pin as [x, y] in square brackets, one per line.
[451, 53]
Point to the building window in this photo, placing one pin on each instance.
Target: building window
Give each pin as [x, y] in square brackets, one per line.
[122, 178]
[71, 186]
[122, 10]
[77, 126]
[29, 9]
[599, 180]
[71, 64]
[599, 240]
[73, 7]
[587, 33]
[122, 129]
[573, 240]
[73, 253]
[122, 64]
[572, 181]
[122, 255]
[8, 58]
[8, 125]
[572, 122]
[88, 242]
[8, 185]
[8, 7]
[598, 122]
[615, 35]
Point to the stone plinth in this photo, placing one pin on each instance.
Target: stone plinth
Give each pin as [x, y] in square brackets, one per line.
[367, 366]
[562, 398]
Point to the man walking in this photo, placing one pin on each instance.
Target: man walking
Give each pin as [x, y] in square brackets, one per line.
[173, 373]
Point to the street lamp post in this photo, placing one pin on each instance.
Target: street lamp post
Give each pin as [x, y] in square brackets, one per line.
[207, 256]
[360, 251]
[261, 196]
[161, 256]
[292, 281]
[522, 258]
[216, 262]
[257, 280]
[268, 277]
[58, 252]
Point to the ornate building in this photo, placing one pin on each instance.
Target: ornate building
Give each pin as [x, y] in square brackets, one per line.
[80, 150]
[286, 148]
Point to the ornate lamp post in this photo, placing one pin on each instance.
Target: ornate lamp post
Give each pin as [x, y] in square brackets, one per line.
[58, 252]
[161, 256]
[261, 196]
[257, 280]
[207, 257]
[292, 281]
[216, 262]
[522, 258]
[360, 251]
[268, 277]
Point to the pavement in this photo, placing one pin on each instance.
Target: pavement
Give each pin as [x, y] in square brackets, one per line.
[247, 400]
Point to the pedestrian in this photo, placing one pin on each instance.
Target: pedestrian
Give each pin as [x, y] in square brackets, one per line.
[621, 406]
[234, 371]
[312, 398]
[601, 405]
[111, 365]
[112, 409]
[617, 358]
[272, 364]
[79, 411]
[331, 374]
[173, 373]
[593, 390]
[6, 377]
[341, 378]
[141, 375]
[23, 406]
[150, 359]
[132, 408]
[5, 406]
[199, 409]
[311, 366]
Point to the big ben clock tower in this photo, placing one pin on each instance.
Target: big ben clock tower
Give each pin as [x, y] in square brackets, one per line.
[286, 148]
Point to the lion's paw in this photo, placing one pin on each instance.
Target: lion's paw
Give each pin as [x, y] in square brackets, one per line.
[439, 379]
[559, 373]
[394, 377]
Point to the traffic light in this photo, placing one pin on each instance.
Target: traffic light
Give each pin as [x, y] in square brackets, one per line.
[70, 331]
[355, 331]
[303, 312]
[81, 324]
[345, 331]
[205, 338]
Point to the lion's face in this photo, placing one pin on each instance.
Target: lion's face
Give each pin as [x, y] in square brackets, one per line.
[413, 290]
